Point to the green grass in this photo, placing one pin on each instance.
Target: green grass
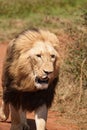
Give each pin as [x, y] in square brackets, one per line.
[22, 8]
[37, 13]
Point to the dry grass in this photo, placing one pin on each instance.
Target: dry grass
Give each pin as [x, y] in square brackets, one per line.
[71, 97]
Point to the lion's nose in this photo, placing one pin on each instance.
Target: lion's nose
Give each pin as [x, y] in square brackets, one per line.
[48, 72]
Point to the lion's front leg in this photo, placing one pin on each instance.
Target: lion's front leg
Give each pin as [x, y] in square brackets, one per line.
[41, 117]
[18, 118]
[4, 111]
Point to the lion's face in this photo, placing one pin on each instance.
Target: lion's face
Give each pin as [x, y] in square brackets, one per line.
[43, 61]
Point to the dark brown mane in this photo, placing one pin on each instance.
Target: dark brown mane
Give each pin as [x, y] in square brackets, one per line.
[31, 100]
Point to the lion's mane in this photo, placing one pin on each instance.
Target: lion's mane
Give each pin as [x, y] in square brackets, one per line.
[13, 72]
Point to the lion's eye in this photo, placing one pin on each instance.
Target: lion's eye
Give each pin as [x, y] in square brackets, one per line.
[38, 55]
[53, 56]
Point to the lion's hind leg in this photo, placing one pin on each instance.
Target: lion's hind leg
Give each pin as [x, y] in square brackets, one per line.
[4, 111]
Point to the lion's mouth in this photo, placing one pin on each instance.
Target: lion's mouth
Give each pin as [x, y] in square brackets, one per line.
[42, 80]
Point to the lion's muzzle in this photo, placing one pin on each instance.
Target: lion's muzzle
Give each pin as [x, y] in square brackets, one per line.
[41, 82]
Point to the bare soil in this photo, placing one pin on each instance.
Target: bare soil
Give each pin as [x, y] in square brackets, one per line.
[55, 120]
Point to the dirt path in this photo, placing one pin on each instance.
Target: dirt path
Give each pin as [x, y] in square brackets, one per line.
[54, 122]
[3, 47]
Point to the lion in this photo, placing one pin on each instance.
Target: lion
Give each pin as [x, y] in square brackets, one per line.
[30, 76]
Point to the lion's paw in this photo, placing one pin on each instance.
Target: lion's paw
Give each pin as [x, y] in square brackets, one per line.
[20, 127]
[3, 117]
[26, 127]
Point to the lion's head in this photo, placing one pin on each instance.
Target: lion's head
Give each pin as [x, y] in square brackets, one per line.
[38, 62]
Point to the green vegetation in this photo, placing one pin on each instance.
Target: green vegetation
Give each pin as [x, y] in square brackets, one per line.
[21, 14]
[68, 19]
[22, 8]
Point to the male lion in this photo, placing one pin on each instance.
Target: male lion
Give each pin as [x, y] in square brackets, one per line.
[30, 75]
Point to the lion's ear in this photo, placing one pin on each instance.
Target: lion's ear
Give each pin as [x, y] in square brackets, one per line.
[54, 39]
[55, 44]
